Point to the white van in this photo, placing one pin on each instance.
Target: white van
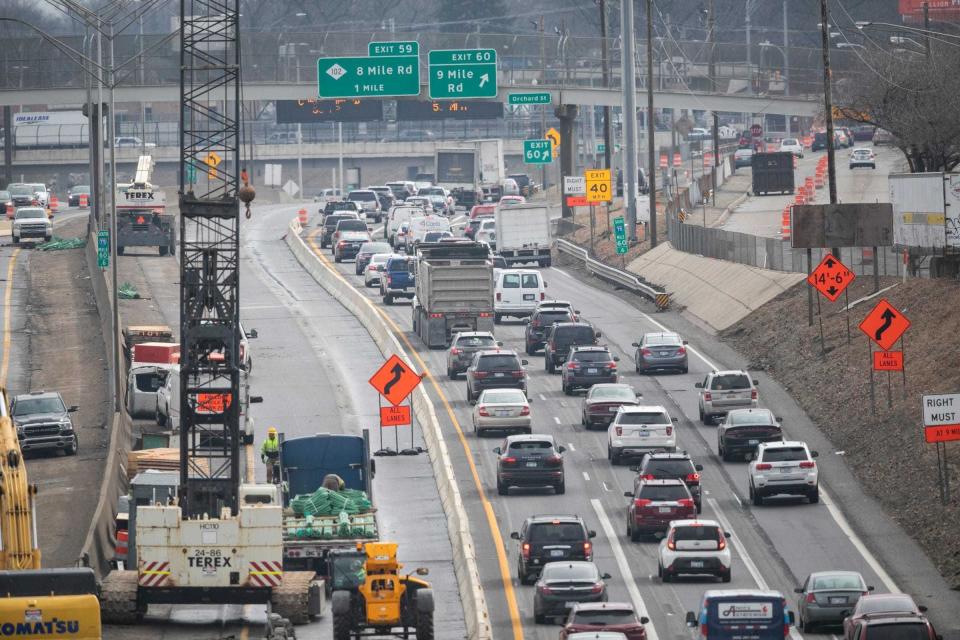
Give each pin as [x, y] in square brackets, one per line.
[396, 217]
[421, 225]
[517, 293]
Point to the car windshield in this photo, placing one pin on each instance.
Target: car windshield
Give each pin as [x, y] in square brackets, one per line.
[351, 225]
[663, 492]
[547, 318]
[398, 265]
[898, 631]
[669, 468]
[695, 533]
[549, 532]
[791, 142]
[743, 418]
[363, 196]
[80, 189]
[21, 190]
[580, 571]
[886, 603]
[30, 406]
[332, 221]
[476, 342]
[30, 213]
[838, 581]
[605, 617]
[379, 258]
[784, 454]
[374, 247]
[591, 356]
[433, 236]
[430, 191]
[574, 334]
[643, 417]
[531, 445]
[498, 363]
[600, 392]
[504, 396]
[730, 381]
[861, 152]
[665, 341]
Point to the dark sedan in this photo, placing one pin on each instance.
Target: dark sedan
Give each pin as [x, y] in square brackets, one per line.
[827, 597]
[530, 460]
[603, 401]
[742, 430]
[661, 351]
[563, 584]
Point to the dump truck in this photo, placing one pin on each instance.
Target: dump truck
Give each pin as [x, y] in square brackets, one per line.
[304, 463]
[454, 290]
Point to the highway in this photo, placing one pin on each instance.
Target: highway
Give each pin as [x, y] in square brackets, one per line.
[775, 546]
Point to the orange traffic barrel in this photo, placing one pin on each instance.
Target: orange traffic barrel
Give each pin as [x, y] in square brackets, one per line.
[302, 215]
[664, 163]
[54, 203]
[677, 160]
[84, 202]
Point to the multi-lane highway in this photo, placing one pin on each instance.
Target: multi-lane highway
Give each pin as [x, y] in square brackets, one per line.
[775, 546]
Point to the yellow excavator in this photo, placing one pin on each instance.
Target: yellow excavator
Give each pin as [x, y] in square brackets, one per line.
[35, 602]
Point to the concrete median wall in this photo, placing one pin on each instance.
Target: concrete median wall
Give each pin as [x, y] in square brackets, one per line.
[100, 541]
[465, 561]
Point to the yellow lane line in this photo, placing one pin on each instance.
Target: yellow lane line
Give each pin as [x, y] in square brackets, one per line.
[7, 312]
[492, 523]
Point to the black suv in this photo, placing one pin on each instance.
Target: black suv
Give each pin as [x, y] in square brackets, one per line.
[531, 460]
[670, 466]
[587, 366]
[495, 370]
[43, 422]
[539, 324]
[561, 337]
[330, 226]
[546, 539]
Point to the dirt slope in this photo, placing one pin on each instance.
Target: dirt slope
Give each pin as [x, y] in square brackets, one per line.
[885, 451]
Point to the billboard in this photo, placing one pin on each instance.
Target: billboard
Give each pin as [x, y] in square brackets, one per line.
[919, 218]
[943, 10]
[340, 110]
[842, 225]
[449, 109]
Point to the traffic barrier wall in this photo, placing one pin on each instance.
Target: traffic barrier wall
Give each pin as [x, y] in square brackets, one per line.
[100, 541]
[465, 563]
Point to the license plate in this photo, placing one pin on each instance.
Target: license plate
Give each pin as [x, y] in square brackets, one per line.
[838, 600]
[666, 509]
[663, 353]
[753, 442]
[531, 464]
[528, 296]
[498, 375]
[556, 553]
[503, 412]
[644, 434]
[591, 370]
[786, 469]
[696, 564]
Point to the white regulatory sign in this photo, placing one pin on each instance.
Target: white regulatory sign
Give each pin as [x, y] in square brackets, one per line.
[574, 185]
[941, 409]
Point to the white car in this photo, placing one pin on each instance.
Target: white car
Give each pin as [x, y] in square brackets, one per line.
[784, 468]
[597, 635]
[863, 157]
[792, 145]
[371, 274]
[635, 431]
[694, 547]
[420, 201]
[31, 222]
[487, 232]
[501, 409]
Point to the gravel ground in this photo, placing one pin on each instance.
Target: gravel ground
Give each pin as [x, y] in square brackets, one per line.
[886, 451]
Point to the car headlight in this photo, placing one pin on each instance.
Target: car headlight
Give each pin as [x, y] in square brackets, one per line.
[66, 425]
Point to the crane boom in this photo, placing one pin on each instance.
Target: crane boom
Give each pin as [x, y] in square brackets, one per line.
[18, 511]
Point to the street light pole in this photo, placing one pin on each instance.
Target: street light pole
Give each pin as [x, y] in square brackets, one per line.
[299, 136]
[651, 129]
[828, 106]
[111, 125]
[749, 7]
[629, 64]
[604, 60]
[786, 60]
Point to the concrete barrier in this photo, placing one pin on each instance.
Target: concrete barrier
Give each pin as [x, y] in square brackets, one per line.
[465, 562]
[100, 541]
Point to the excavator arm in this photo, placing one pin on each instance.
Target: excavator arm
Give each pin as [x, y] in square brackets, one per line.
[18, 526]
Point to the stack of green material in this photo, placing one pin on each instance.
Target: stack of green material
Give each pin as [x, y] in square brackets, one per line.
[333, 527]
[127, 291]
[58, 244]
[324, 502]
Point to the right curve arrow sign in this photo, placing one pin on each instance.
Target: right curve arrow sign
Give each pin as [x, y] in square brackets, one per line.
[885, 324]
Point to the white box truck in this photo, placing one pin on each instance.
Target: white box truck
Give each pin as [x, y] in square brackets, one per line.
[523, 233]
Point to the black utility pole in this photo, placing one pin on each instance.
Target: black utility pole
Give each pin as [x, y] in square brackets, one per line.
[828, 108]
[651, 129]
[711, 39]
[926, 28]
[606, 84]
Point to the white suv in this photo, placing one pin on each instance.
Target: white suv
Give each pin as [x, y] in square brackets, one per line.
[639, 430]
[792, 145]
[694, 547]
[721, 391]
[784, 468]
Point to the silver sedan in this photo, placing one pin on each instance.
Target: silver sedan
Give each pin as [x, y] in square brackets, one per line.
[501, 410]
[827, 597]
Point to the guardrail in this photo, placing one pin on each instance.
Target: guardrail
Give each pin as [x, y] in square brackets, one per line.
[625, 279]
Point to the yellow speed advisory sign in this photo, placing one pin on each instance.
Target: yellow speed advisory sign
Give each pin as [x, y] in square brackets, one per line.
[598, 185]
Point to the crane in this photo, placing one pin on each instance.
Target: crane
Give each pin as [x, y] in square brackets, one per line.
[221, 543]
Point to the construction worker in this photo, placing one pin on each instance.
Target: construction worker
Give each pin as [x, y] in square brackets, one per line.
[333, 482]
[270, 452]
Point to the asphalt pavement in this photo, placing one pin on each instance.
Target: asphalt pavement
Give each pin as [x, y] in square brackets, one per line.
[774, 546]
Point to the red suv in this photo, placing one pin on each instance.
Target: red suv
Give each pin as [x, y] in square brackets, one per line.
[655, 503]
[616, 617]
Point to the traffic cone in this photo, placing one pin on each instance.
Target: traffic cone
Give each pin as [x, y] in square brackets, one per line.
[84, 201]
[302, 215]
[54, 203]
[785, 225]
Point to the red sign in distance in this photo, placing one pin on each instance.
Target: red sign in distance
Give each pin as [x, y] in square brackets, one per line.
[577, 201]
[888, 360]
[830, 277]
[884, 325]
[394, 416]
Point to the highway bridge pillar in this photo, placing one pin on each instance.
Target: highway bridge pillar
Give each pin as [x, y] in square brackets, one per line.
[7, 146]
[567, 113]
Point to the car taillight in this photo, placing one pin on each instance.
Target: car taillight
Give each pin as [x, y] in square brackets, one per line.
[508, 460]
[763, 466]
[619, 431]
[693, 477]
[483, 411]
[572, 366]
[612, 366]
[646, 352]
[499, 296]
[671, 544]
[342, 243]
[588, 549]
[525, 549]
[480, 374]
[685, 502]
[455, 352]
[669, 430]
[648, 476]
[753, 394]
[543, 296]
[681, 351]
[808, 464]
[524, 411]
[703, 630]
[546, 590]
[597, 588]
[708, 397]
[436, 315]
[554, 460]
[641, 502]
[722, 544]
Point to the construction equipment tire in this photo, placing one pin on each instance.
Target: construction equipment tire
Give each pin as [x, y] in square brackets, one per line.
[118, 598]
[425, 614]
[291, 600]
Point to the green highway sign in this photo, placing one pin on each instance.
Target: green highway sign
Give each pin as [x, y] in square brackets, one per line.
[539, 151]
[529, 98]
[103, 249]
[462, 73]
[405, 48]
[620, 234]
[368, 77]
